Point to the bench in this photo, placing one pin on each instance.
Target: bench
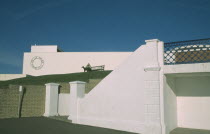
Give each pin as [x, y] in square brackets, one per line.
[93, 68]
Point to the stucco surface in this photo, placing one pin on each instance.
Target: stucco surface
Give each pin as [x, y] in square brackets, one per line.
[64, 95]
[170, 104]
[190, 100]
[71, 62]
[119, 100]
[44, 48]
[187, 68]
[193, 101]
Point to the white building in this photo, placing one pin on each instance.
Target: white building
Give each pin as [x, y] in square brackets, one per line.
[46, 60]
[147, 94]
[158, 87]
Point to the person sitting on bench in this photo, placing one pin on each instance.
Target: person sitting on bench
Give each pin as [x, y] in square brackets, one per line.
[87, 68]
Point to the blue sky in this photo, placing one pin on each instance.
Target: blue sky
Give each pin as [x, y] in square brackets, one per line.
[96, 25]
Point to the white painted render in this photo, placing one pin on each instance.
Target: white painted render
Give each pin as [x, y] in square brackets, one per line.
[119, 101]
[170, 104]
[186, 68]
[63, 104]
[141, 95]
[156, 109]
[77, 92]
[44, 48]
[51, 99]
[71, 62]
[193, 102]
[144, 96]
[188, 100]
[4, 77]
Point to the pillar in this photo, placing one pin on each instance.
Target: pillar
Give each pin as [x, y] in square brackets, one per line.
[51, 99]
[153, 89]
[77, 91]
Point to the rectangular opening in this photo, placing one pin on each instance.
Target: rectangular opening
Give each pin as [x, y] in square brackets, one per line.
[187, 101]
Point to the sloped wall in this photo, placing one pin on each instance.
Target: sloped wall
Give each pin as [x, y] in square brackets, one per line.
[120, 101]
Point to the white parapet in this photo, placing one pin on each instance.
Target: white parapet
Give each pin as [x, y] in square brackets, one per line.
[51, 100]
[4, 77]
[44, 48]
[77, 90]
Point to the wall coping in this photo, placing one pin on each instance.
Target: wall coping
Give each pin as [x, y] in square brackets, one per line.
[77, 82]
[152, 40]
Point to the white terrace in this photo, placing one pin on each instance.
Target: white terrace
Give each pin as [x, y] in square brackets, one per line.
[158, 88]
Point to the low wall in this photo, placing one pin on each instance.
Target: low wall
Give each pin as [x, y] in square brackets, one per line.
[33, 101]
[64, 104]
[4, 77]
[9, 103]
[64, 95]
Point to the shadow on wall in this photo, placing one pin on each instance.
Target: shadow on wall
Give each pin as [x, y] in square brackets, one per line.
[64, 88]
[192, 86]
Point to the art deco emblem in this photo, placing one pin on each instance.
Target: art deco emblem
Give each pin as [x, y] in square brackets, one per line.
[37, 62]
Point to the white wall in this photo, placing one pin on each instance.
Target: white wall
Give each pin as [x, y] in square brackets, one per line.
[187, 68]
[70, 62]
[193, 102]
[170, 104]
[120, 101]
[41, 49]
[4, 77]
[51, 99]
[64, 104]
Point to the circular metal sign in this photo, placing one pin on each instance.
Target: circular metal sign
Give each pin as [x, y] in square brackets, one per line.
[37, 62]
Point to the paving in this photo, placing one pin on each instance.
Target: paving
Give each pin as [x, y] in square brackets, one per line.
[189, 131]
[42, 125]
[60, 125]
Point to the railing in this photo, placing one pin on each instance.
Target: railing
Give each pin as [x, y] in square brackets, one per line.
[187, 52]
